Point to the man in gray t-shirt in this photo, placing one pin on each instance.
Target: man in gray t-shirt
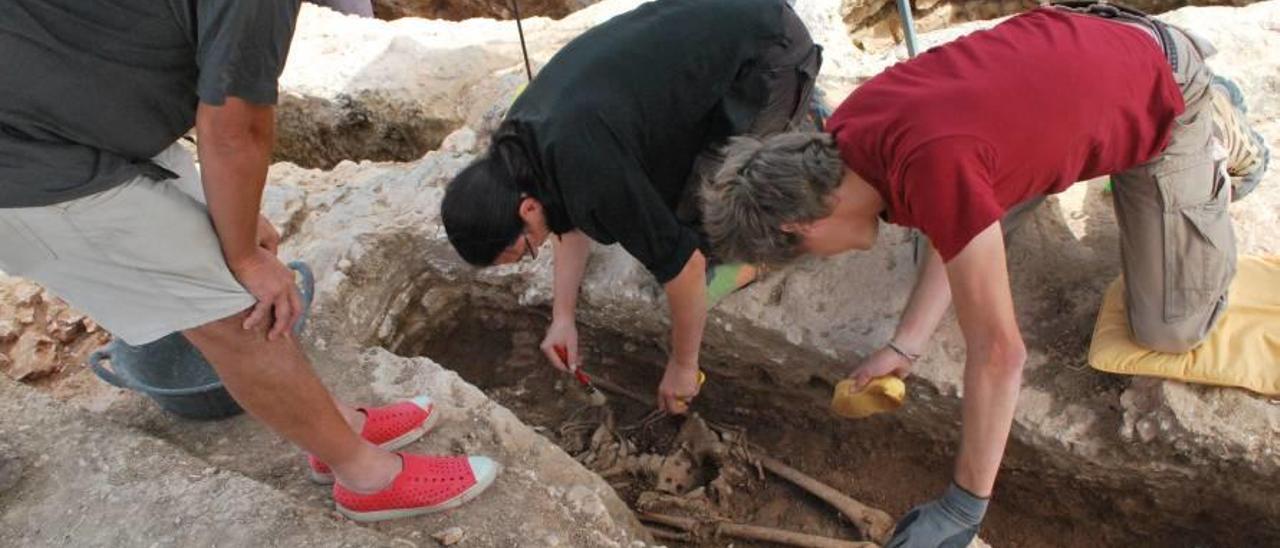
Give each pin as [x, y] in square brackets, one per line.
[101, 206]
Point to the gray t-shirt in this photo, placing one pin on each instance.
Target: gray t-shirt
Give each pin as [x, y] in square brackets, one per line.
[90, 90]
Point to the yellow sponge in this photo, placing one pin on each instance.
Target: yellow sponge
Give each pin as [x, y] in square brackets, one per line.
[879, 395]
[1242, 351]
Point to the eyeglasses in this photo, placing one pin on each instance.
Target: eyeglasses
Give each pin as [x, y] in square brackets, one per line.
[528, 245]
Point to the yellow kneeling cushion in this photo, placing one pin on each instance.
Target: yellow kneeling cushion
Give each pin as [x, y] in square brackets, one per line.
[1243, 350]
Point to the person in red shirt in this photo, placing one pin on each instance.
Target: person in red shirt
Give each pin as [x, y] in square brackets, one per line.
[959, 141]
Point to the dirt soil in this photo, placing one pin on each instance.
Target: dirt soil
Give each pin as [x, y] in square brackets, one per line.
[872, 460]
[458, 10]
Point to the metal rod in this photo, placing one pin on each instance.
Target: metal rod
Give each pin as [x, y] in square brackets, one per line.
[913, 47]
[515, 10]
[908, 27]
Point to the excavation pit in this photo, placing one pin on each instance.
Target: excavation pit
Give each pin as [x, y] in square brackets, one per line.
[877, 461]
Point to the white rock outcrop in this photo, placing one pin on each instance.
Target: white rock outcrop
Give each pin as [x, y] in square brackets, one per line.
[368, 89]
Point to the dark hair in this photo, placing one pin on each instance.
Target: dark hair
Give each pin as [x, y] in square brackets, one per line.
[481, 205]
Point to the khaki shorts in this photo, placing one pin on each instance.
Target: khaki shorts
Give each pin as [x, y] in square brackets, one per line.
[141, 259]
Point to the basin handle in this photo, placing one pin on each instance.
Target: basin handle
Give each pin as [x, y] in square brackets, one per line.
[95, 363]
[307, 287]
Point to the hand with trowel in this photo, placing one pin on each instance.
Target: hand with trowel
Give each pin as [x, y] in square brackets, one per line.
[680, 382]
[595, 396]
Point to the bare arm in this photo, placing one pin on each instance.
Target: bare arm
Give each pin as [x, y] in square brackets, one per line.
[928, 303]
[234, 142]
[994, 356]
[571, 252]
[687, 297]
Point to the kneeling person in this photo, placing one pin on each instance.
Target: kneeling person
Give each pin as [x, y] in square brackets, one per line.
[972, 132]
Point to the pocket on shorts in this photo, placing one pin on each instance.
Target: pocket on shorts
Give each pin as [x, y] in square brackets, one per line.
[1199, 245]
[21, 250]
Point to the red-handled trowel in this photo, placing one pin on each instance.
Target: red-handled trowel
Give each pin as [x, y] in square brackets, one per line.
[596, 396]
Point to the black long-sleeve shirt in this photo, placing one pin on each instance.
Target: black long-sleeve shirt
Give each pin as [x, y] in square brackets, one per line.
[617, 117]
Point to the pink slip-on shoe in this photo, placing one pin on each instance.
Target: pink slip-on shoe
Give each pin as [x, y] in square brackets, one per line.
[389, 427]
[425, 485]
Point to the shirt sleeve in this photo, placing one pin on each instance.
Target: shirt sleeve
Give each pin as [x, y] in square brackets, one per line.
[241, 48]
[610, 198]
[947, 192]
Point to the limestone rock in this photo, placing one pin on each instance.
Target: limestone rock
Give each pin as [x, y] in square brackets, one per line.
[66, 326]
[35, 355]
[10, 470]
[362, 89]
[27, 294]
[40, 335]
[463, 141]
[450, 536]
[59, 465]
[365, 89]
[8, 330]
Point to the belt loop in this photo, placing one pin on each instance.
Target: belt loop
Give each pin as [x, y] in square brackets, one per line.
[1166, 42]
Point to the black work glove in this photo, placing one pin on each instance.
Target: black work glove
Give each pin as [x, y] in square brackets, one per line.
[948, 522]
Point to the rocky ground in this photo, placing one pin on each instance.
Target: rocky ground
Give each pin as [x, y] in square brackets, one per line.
[1094, 460]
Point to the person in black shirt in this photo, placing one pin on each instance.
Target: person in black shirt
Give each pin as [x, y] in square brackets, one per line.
[611, 142]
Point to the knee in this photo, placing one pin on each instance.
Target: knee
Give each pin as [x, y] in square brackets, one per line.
[225, 332]
[1170, 338]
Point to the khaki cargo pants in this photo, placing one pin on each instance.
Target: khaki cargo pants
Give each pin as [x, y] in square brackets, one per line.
[1176, 242]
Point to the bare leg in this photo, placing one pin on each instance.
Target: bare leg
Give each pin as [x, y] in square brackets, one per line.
[354, 418]
[274, 382]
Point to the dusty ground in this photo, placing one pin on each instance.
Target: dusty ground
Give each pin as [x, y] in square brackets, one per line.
[73, 478]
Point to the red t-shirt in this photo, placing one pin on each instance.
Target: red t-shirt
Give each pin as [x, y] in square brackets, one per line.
[956, 136]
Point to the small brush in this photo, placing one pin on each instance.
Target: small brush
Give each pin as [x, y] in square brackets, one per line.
[596, 397]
